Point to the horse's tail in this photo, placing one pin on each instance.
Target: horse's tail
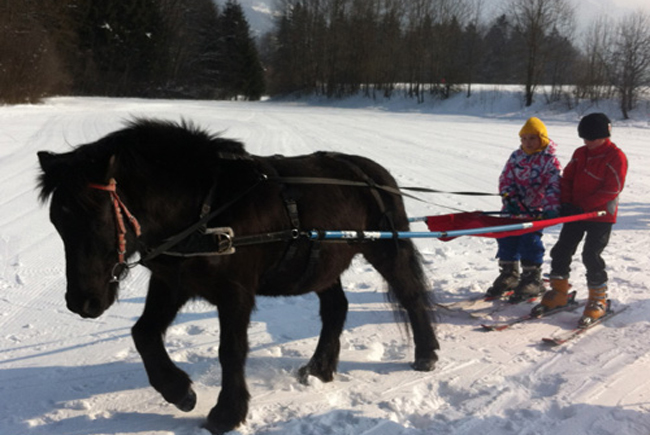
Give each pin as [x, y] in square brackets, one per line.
[409, 294]
[398, 260]
[419, 287]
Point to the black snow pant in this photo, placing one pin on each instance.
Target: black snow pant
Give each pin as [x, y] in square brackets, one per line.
[571, 235]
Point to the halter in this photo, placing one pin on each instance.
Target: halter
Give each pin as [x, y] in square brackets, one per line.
[119, 210]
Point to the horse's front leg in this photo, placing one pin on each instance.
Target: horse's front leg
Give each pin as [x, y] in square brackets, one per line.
[163, 303]
[333, 312]
[235, 305]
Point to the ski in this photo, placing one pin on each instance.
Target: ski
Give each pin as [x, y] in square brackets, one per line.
[578, 331]
[483, 307]
[469, 302]
[500, 326]
[506, 299]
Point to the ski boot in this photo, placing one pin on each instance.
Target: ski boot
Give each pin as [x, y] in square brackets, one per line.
[530, 285]
[506, 281]
[558, 296]
[597, 306]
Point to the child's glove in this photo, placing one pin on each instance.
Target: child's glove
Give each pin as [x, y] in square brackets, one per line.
[512, 207]
[568, 209]
[550, 214]
[511, 204]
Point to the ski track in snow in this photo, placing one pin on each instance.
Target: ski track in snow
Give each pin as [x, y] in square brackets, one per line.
[63, 375]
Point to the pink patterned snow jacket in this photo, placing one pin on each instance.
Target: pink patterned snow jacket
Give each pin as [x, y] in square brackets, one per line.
[533, 181]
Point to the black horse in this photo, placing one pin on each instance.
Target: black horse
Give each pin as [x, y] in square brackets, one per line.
[213, 221]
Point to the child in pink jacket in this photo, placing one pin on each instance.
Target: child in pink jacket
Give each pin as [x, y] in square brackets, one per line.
[529, 185]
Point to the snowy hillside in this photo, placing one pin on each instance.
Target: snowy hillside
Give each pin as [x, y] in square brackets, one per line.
[64, 375]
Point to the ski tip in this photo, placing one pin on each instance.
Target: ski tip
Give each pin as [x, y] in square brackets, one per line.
[551, 341]
[487, 327]
[502, 296]
[537, 311]
[515, 299]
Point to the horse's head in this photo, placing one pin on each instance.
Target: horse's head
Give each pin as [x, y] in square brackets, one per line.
[84, 213]
[166, 169]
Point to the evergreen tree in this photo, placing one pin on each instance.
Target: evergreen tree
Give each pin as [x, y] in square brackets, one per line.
[206, 67]
[470, 56]
[33, 38]
[559, 68]
[191, 50]
[389, 51]
[241, 73]
[497, 53]
[121, 46]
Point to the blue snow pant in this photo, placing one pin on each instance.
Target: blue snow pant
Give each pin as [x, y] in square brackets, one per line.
[528, 248]
[597, 238]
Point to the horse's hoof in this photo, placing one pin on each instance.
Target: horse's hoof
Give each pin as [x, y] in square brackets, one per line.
[187, 403]
[303, 375]
[216, 429]
[306, 371]
[424, 364]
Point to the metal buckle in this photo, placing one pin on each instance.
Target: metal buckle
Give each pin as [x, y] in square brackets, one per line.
[224, 236]
[115, 273]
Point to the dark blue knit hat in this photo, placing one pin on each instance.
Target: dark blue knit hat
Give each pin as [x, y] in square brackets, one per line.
[594, 126]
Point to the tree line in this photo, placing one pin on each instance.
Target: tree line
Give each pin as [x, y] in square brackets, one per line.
[342, 47]
[194, 49]
[137, 48]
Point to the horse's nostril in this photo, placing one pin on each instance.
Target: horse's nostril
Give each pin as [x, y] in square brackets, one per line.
[86, 304]
[92, 307]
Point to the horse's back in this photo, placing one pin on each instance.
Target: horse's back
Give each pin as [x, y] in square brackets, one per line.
[326, 199]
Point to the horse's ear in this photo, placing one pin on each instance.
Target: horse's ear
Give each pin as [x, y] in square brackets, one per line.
[55, 168]
[52, 163]
[45, 158]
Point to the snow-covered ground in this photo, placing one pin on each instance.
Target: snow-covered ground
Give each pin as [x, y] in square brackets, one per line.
[63, 375]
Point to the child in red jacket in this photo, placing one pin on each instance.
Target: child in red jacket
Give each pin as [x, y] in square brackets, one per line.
[592, 181]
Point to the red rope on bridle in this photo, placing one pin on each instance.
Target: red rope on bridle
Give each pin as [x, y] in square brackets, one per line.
[119, 210]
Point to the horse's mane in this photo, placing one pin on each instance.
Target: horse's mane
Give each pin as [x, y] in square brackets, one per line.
[181, 147]
[184, 136]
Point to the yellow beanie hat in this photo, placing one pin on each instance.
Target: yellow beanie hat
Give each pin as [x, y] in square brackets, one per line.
[536, 126]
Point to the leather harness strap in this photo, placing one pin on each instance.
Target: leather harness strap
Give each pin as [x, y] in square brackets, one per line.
[119, 210]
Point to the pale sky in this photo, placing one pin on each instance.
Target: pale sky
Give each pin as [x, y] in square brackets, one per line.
[613, 7]
[585, 10]
[633, 4]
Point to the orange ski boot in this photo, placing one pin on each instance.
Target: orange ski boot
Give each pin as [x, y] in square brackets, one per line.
[596, 308]
[557, 297]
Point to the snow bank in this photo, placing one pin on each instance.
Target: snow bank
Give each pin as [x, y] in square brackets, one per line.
[63, 375]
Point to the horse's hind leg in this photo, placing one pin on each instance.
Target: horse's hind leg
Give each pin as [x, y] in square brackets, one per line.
[333, 311]
[401, 267]
[160, 309]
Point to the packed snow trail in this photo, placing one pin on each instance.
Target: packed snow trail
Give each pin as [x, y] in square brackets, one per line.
[64, 375]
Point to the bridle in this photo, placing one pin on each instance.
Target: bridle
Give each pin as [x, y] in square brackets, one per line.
[119, 210]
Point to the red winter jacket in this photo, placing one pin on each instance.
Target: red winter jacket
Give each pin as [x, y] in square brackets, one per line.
[593, 179]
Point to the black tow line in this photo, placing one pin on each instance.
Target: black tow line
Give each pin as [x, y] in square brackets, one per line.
[226, 239]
